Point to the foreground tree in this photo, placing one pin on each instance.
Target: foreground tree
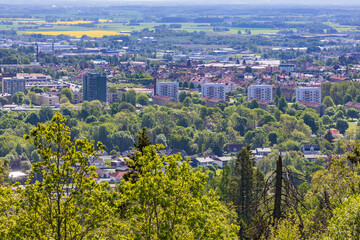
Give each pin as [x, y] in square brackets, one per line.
[167, 201]
[67, 204]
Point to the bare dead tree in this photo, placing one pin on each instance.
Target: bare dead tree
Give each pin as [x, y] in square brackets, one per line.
[279, 194]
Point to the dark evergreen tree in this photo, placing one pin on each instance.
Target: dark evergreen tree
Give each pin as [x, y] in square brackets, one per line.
[243, 173]
[135, 167]
[278, 91]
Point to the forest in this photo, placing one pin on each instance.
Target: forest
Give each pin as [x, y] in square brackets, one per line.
[164, 198]
[280, 196]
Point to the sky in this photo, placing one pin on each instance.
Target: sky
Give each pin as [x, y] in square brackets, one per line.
[187, 2]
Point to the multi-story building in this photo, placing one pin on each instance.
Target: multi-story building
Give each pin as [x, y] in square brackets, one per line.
[78, 97]
[309, 94]
[113, 97]
[94, 87]
[213, 90]
[287, 68]
[169, 89]
[45, 98]
[13, 85]
[260, 92]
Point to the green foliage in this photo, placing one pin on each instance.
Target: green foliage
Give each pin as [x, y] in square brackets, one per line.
[284, 229]
[121, 141]
[53, 208]
[46, 113]
[253, 104]
[19, 98]
[142, 99]
[118, 107]
[352, 113]
[342, 125]
[163, 205]
[129, 97]
[328, 102]
[282, 105]
[341, 91]
[68, 93]
[345, 223]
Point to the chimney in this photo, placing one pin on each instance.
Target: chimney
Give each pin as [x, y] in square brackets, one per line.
[37, 52]
[154, 86]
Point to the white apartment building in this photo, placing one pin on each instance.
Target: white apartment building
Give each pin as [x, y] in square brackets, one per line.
[214, 90]
[308, 94]
[13, 85]
[260, 92]
[169, 89]
[287, 68]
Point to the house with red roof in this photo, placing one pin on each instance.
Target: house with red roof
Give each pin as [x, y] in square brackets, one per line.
[355, 105]
[334, 132]
[210, 101]
[117, 176]
[312, 105]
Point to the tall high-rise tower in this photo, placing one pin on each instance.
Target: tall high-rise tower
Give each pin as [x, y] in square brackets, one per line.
[94, 87]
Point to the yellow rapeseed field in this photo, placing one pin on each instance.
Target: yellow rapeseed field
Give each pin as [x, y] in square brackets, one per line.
[78, 34]
[105, 21]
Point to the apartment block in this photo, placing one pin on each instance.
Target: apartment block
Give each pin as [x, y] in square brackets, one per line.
[169, 89]
[260, 92]
[113, 97]
[94, 87]
[45, 98]
[13, 85]
[309, 94]
[213, 90]
[78, 97]
[287, 68]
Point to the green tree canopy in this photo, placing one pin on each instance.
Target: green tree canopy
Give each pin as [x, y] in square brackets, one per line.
[328, 102]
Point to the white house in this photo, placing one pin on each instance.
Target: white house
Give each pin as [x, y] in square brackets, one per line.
[99, 163]
[222, 161]
[199, 161]
[311, 149]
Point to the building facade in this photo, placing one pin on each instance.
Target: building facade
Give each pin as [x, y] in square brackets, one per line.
[287, 68]
[309, 94]
[94, 87]
[45, 98]
[260, 92]
[169, 89]
[113, 97]
[213, 90]
[13, 85]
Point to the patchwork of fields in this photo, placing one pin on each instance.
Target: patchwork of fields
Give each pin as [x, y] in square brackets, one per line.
[102, 27]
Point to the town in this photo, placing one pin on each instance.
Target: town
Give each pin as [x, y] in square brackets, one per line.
[255, 109]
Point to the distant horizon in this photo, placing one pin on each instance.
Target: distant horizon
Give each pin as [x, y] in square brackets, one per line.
[107, 3]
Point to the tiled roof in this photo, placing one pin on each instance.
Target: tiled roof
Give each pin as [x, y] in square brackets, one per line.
[353, 105]
[162, 97]
[310, 104]
[211, 99]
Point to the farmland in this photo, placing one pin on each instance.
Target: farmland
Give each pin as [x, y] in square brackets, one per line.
[78, 34]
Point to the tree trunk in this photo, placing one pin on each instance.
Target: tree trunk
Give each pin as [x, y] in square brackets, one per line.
[278, 189]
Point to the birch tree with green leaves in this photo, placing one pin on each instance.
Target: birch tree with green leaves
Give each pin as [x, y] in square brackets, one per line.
[67, 203]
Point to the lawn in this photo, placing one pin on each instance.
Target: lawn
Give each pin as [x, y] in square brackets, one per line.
[351, 131]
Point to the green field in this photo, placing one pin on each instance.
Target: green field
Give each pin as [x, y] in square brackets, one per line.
[118, 26]
[37, 25]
